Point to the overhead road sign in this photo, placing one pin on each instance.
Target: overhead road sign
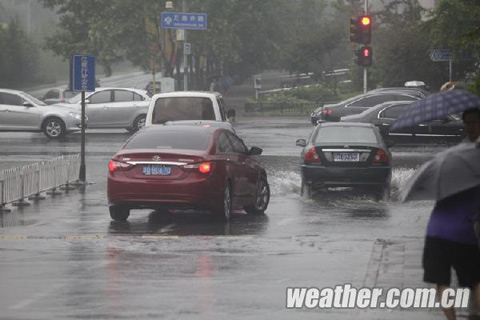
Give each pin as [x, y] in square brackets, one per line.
[445, 55]
[178, 20]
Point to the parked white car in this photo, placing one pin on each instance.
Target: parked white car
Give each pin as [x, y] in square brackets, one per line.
[114, 108]
[186, 105]
[20, 111]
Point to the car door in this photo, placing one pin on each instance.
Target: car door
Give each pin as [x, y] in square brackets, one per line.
[233, 166]
[97, 109]
[366, 102]
[123, 108]
[443, 130]
[14, 115]
[248, 170]
[386, 117]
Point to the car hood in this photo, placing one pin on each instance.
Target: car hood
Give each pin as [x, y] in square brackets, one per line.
[63, 107]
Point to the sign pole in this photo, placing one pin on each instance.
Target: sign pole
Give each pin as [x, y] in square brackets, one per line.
[450, 64]
[365, 78]
[185, 57]
[83, 169]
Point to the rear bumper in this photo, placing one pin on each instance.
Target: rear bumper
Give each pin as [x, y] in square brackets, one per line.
[345, 176]
[206, 193]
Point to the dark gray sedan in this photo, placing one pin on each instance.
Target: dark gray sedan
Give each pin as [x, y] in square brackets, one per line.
[345, 154]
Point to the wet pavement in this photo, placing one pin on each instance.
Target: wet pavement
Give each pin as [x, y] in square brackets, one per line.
[63, 257]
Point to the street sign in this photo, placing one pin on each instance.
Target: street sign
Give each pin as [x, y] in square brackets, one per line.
[176, 20]
[440, 55]
[82, 75]
[187, 48]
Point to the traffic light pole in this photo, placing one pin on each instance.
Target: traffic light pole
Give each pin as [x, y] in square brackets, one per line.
[365, 78]
[185, 56]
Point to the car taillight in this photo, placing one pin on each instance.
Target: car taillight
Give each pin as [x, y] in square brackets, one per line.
[204, 167]
[312, 156]
[118, 166]
[327, 111]
[381, 157]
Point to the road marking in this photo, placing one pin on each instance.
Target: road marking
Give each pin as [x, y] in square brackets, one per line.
[13, 237]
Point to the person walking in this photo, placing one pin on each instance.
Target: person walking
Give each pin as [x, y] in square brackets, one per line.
[471, 120]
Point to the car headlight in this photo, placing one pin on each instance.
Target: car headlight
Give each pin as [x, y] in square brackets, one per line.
[76, 116]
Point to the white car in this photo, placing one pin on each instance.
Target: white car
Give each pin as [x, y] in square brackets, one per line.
[186, 105]
[114, 108]
[20, 111]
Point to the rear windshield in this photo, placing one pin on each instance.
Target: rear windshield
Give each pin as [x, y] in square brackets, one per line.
[182, 108]
[169, 140]
[346, 135]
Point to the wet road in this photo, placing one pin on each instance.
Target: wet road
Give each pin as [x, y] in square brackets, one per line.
[63, 258]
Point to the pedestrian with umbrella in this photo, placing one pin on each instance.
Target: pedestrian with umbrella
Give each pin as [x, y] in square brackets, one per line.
[452, 179]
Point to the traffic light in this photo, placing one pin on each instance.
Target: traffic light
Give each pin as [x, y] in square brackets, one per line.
[364, 56]
[361, 29]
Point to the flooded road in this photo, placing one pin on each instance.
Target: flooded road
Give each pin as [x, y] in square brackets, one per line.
[63, 257]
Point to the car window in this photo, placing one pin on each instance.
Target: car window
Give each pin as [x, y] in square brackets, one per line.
[137, 97]
[169, 140]
[123, 96]
[100, 97]
[223, 143]
[237, 143]
[52, 94]
[182, 108]
[223, 111]
[393, 112]
[10, 99]
[343, 134]
[371, 101]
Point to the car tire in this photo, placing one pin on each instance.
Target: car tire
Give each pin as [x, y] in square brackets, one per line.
[381, 193]
[139, 123]
[262, 198]
[306, 190]
[54, 128]
[119, 213]
[225, 210]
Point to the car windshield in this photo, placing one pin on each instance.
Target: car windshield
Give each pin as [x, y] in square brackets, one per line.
[169, 140]
[34, 100]
[182, 108]
[344, 134]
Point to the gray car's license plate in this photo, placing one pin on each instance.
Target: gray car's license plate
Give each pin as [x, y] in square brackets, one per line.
[156, 170]
[346, 157]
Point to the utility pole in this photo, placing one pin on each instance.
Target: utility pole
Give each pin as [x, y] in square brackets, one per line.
[185, 57]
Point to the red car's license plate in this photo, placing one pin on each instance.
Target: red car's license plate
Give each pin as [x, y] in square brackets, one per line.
[156, 170]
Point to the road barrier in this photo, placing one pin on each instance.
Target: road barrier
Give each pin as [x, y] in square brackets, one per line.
[17, 184]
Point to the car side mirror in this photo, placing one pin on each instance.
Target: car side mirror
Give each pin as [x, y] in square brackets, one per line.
[28, 104]
[301, 143]
[255, 151]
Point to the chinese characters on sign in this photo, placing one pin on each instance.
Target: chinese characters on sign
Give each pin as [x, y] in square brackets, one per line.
[195, 21]
[83, 73]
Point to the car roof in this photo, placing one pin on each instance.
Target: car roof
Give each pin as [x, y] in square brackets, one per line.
[346, 124]
[119, 88]
[180, 128]
[211, 123]
[204, 94]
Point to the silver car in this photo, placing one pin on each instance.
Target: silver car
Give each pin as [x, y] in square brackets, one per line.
[114, 108]
[20, 111]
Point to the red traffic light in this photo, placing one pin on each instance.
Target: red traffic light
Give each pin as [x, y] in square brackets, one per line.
[365, 20]
[366, 52]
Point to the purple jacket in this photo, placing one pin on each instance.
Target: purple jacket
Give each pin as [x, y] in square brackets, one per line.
[453, 217]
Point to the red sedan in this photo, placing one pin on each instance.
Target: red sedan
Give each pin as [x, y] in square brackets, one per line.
[198, 167]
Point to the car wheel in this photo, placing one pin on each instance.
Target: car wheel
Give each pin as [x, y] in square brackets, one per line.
[139, 123]
[54, 128]
[262, 198]
[306, 190]
[225, 211]
[119, 213]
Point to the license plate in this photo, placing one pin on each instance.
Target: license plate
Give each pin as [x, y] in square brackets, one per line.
[156, 170]
[346, 157]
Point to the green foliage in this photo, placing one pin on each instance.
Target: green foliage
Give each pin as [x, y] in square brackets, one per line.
[18, 57]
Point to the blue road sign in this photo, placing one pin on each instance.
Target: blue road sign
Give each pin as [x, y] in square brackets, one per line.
[440, 55]
[175, 20]
[82, 74]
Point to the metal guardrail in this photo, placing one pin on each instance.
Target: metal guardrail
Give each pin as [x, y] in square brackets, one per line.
[17, 184]
[287, 108]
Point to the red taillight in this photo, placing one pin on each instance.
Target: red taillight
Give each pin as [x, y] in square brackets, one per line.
[381, 157]
[62, 100]
[118, 166]
[328, 111]
[312, 156]
[204, 167]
